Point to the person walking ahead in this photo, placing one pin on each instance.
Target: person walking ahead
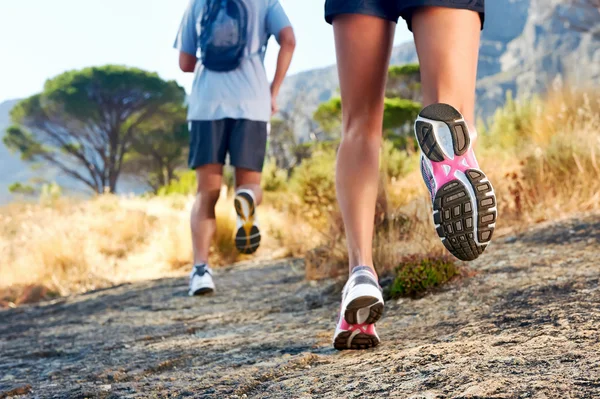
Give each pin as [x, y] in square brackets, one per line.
[224, 42]
[447, 36]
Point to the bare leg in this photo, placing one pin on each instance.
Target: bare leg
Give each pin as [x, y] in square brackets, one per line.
[363, 46]
[203, 223]
[249, 180]
[447, 41]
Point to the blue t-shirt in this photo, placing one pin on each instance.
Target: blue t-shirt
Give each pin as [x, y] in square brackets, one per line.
[242, 93]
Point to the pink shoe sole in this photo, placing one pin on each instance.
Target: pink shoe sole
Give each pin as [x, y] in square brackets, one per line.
[355, 336]
[464, 203]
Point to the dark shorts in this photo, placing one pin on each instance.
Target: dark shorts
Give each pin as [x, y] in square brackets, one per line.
[245, 141]
[392, 10]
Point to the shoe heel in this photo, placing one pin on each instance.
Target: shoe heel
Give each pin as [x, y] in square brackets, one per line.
[442, 133]
[365, 307]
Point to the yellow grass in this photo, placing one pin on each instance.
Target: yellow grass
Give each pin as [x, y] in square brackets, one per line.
[73, 246]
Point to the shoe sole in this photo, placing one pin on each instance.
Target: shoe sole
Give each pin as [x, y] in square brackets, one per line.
[464, 208]
[350, 340]
[365, 305]
[202, 291]
[247, 238]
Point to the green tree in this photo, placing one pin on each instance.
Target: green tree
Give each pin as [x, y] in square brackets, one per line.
[404, 81]
[329, 116]
[159, 146]
[22, 189]
[84, 122]
[397, 113]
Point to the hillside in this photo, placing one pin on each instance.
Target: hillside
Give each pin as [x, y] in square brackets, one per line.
[525, 45]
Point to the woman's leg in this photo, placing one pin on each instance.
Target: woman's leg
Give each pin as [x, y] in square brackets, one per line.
[464, 203]
[447, 41]
[363, 46]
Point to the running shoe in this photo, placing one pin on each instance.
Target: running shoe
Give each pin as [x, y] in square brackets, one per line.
[464, 203]
[354, 336]
[361, 308]
[247, 237]
[201, 282]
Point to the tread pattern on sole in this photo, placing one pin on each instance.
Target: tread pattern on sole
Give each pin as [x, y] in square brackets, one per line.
[203, 291]
[360, 341]
[486, 205]
[375, 310]
[427, 141]
[455, 216]
[247, 243]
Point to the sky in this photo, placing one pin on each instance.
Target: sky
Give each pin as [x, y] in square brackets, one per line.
[40, 39]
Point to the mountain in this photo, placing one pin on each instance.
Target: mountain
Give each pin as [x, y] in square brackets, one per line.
[525, 45]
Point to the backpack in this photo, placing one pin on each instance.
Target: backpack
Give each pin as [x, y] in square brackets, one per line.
[223, 34]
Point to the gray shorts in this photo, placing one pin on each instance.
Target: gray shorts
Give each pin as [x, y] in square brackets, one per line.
[392, 10]
[244, 140]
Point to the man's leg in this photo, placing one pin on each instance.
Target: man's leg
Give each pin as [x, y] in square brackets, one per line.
[248, 195]
[363, 46]
[203, 223]
[447, 41]
[246, 179]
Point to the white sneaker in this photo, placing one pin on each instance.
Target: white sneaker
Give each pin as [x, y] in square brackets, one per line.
[362, 302]
[247, 237]
[201, 282]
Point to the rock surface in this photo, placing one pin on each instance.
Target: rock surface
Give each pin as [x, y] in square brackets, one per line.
[525, 324]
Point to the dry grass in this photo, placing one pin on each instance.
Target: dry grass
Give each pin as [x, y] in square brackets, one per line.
[542, 157]
[69, 246]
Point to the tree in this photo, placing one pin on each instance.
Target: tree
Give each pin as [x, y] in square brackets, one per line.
[159, 147]
[84, 122]
[281, 143]
[404, 82]
[329, 116]
[397, 113]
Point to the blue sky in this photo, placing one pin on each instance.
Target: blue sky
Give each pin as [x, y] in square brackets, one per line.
[42, 38]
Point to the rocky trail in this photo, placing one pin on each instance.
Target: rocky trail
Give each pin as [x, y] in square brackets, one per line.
[525, 324]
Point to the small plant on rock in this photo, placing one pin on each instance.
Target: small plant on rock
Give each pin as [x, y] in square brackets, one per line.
[416, 277]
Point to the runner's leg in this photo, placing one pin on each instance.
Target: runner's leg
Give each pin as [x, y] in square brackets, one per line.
[363, 46]
[447, 41]
[203, 222]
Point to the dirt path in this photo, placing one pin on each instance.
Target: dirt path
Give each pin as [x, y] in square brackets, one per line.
[526, 325]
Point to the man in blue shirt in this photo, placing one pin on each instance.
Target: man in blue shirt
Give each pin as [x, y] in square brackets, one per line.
[223, 42]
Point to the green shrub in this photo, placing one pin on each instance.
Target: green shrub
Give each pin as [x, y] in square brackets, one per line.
[512, 126]
[273, 178]
[403, 70]
[50, 193]
[418, 276]
[185, 184]
[314, 182]
[395, 163]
